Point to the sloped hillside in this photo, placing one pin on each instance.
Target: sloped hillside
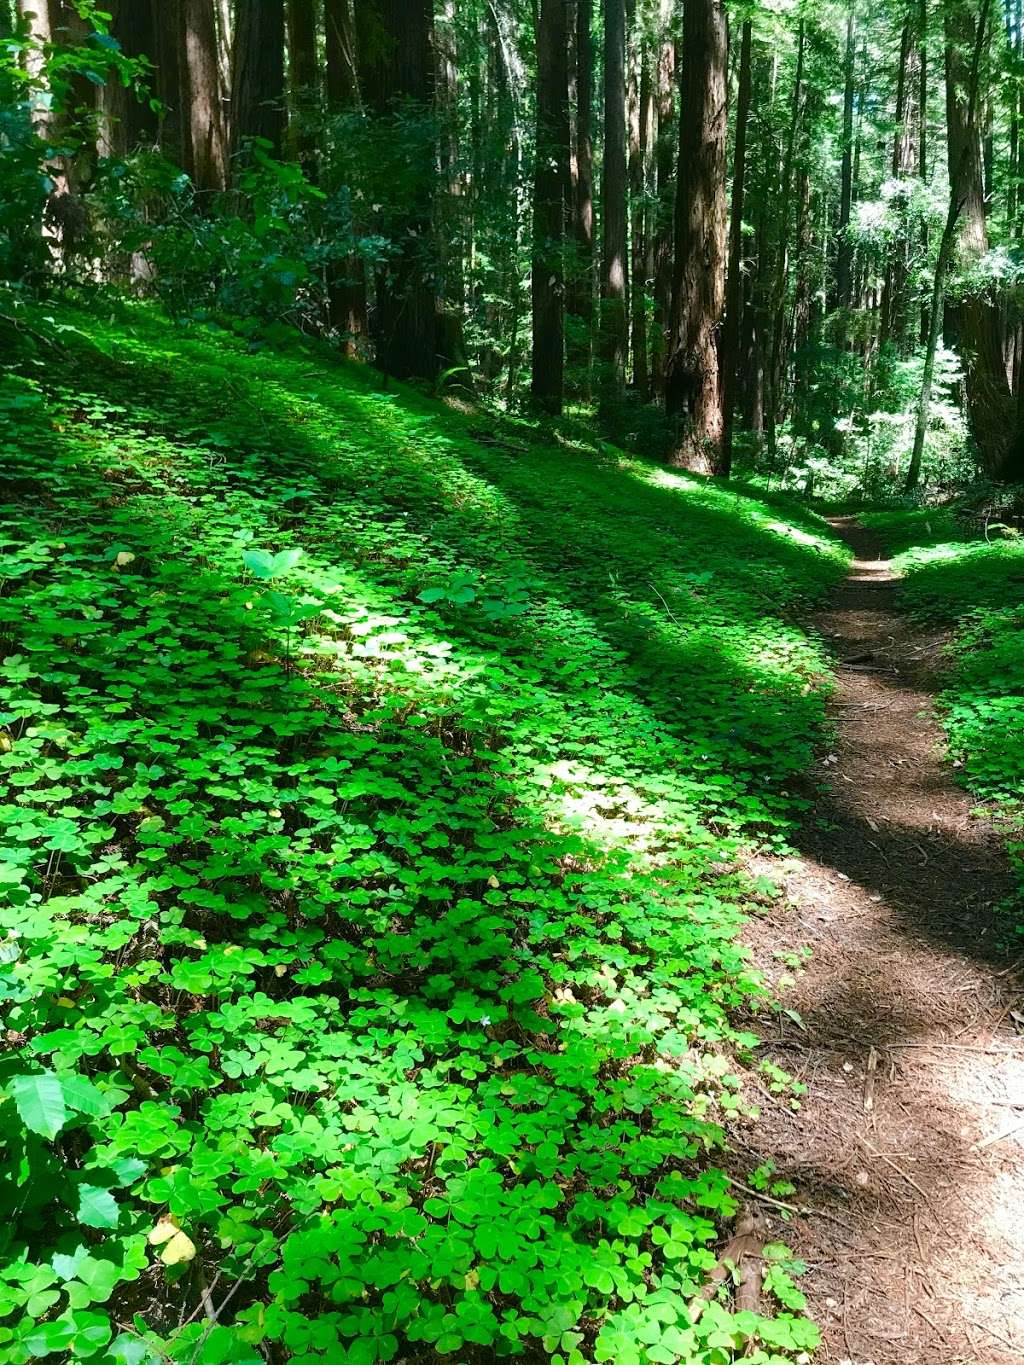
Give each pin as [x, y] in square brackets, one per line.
[373, 779]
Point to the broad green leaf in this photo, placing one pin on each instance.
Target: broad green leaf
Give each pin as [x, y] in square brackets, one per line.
[97, 1207]
[39, 1101]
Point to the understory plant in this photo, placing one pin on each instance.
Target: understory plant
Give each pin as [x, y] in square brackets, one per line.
[372, 795]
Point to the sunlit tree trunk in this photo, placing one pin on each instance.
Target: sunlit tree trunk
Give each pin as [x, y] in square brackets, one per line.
[734, 279]
[693, 390]
[664, 174]
[844, 251]
[976, 318]
[206, 140]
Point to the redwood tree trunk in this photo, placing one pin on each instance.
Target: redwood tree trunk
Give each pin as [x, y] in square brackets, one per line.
[304, 102]
[640, 166]
[693, 388]
[257, 73]
[550, 192]
[844, 254]
[346, 278]
[580, 288]
[894, 319]
[976, 319]
[613, 203]
[734, 279]
[130, 121]
[206, 134]
[664, 157]
[397, 66]
[340, 34]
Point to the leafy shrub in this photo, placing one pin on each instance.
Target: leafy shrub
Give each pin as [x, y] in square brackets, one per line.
[977, 585]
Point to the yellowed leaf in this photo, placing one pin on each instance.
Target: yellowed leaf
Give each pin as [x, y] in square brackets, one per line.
[179, 1249]
[163, 1232]
[123, 557]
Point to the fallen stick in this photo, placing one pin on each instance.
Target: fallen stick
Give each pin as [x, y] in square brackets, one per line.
[898, 1169]
[997, 1137]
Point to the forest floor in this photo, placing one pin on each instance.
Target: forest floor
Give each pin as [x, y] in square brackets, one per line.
[909, 1140]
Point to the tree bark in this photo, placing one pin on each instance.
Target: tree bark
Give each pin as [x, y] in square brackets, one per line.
[641, 188]
[303, 84]
[613, 204]
[207, 137]
[580, 285]
[129, 122]
[346, 278]
[398, 67]
[893, 324]
[844, 255]
[976, 318]
[774, 369]
[340, 34]
[550, 194]
[734, 278]
[664, 173]
[257, 74]
[693, 389]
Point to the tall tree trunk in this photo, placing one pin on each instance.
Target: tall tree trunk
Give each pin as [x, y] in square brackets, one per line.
[550, 194]
[169, 79]
[613, 203]
[257, 74]
[65, 220]
[346, 278]
[922, 132]
[693, 389]
[774, 377]
[399, 66]
[303, 84]
[340, 35]
[734, 278]
[641, 187]
[844, 256]
[976, 318]
[894, 319]
[580, 284]
[207, 137]
[664, 173]
[129, 122]
[964, 183]
[451, 215]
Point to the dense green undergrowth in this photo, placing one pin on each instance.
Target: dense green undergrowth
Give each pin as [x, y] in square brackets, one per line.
[973, 581]
[373, 781]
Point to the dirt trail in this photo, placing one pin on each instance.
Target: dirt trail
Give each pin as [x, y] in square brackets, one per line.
[911, 1135]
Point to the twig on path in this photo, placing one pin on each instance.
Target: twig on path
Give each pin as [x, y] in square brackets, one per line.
[898, 1169]
[997, 1137]
[961, 1047]
[767, 1198]
[930, 1321]
[803, 1210]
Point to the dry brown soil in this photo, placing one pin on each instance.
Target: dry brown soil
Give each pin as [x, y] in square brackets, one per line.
[910, 1140]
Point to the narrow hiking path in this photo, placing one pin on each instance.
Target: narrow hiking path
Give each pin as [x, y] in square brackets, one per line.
[911, 1134]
